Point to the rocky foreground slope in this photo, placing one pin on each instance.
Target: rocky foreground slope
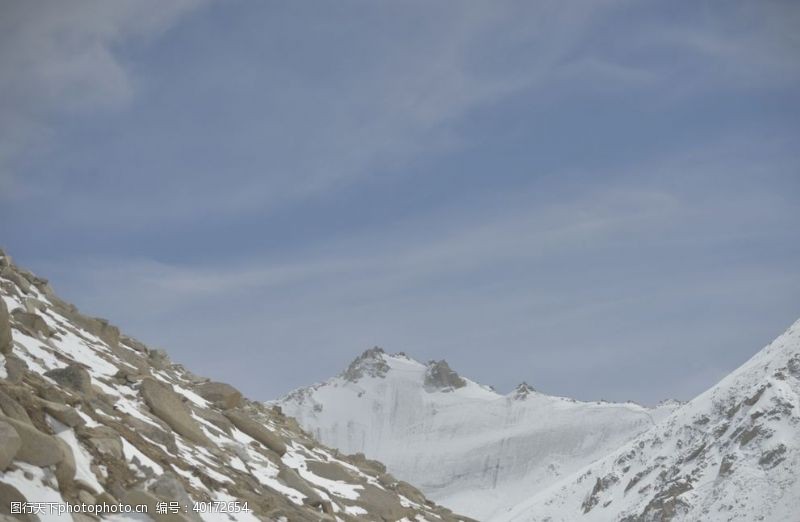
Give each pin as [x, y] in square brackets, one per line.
[466, 446]
[730, 454]
[91, 417]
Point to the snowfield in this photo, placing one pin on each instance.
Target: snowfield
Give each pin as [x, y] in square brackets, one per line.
[466, 446]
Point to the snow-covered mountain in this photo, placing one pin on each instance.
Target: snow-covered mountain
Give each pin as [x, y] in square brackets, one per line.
[463, 444]
[731, 454]
[92, 418]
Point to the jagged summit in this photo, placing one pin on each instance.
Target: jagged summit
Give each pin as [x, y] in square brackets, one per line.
[370, 363]
[439, 376]
[90, 416]
[522, 391]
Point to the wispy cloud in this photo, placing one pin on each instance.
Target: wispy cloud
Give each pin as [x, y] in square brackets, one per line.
[312, 127]
[56, 60]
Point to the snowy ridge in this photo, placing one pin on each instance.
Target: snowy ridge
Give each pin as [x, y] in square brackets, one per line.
[731, 454]
[90, 416]
[463, 444]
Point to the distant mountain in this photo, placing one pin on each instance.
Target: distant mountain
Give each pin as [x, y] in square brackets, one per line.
[731, 454]
[466, 446]
[91, 417]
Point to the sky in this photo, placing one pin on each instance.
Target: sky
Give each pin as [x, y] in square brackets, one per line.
[600, 198]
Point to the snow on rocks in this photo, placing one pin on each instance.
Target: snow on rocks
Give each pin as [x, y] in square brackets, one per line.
[732, 453]
[89, 415]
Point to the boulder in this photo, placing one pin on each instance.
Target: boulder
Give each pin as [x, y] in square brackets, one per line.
[75, 377]
[10, 443]
[34, 305]
[11, 408]
[169, 407]
[32, 323]
[65, 470]
[39, 449]
[221, 394]
[290, 477]
[384, 504]
[6, 343]
[15, 368]
[215, 418]
[106, 331]
[106, 440]
[62, 413]
[330, 470]
[146, 429]
[12, 275]
[159, 359]
[9, 494]
[254, 429]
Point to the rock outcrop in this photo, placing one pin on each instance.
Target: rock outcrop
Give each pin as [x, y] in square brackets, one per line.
[169, 407]
[5, 329]
[223, 395]
[90, 415]
[441, 377]
[10, 443]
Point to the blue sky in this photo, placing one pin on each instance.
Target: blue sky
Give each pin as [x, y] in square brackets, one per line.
[600, 198]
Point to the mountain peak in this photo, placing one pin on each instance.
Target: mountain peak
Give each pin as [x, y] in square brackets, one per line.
[522, 390]
[371, 363]
[440, 377]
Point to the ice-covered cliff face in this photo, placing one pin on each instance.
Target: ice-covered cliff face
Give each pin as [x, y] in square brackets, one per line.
[89, 416]
[731, 454]
[463, 444]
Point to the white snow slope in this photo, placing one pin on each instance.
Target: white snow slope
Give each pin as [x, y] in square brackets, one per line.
[464, 445]
[731, 454]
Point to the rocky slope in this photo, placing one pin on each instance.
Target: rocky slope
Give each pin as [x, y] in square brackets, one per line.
[463, 444]
[89, 416]
[731, 454]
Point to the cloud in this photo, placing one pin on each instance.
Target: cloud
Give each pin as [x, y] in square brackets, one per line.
[582, 294]
[351, 98]
[57, 59]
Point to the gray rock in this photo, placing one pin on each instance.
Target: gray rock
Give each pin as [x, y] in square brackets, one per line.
[257, 431]
[106, 440]
[370, 363]
[216, 418]
[224, 395]
[39, 449]
[9, 494]
[31, 323]
[159, 359]
[62, 413]
[75, 377]
[11, 408]
[65, 470]
[15, 368]
[12, 275]
[290, 477]
[169, 407]
[6, 344]
[34, 305]
[10, 443]
[439, 377]
[161, 436]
